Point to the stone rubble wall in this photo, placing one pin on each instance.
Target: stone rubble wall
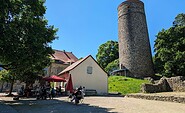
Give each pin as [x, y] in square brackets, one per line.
[177, 99]
[176, 84]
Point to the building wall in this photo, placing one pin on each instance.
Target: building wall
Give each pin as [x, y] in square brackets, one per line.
[98, 80]
[55, 68]
[134, 46]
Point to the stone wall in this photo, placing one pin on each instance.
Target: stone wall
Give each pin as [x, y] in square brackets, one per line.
[178, 99]
[176, 84]
[134, 47]
[55, 69]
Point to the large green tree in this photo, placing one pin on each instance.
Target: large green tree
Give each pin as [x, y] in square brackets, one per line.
[169, 59]
[107, 53]
[179, 20]
[114, 65]
[24, 37]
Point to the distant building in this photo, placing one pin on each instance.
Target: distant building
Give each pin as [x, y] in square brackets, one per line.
[61, 60]
[86, 72]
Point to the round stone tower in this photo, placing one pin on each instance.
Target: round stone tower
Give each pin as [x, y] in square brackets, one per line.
[134, 46]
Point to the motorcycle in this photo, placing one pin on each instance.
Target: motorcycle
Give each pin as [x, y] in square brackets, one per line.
[77, 97]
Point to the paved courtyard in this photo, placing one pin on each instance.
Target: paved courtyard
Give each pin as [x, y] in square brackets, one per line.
[93, 104]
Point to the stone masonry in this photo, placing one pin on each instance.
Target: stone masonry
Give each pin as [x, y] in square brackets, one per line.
[175, 84]
[159, 97]
[134, 47]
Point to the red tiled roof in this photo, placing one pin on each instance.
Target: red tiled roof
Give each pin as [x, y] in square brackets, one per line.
[64, 56]
[71, 56]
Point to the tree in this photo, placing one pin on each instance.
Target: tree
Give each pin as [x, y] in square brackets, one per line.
[5, 76]
[169, 46]
[24, 37]
[179, 20]
[107, 53]
[114, 65]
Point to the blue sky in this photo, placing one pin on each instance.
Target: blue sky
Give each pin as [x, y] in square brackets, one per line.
[86, 24]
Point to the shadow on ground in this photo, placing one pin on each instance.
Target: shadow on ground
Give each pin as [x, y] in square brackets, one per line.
[53, 106]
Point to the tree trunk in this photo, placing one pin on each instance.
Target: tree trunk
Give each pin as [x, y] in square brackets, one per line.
[2, 87]
[11, 87]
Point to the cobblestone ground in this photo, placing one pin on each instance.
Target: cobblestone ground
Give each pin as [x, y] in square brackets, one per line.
[92, 104]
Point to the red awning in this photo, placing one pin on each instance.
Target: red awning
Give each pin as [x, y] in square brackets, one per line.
[54, 78]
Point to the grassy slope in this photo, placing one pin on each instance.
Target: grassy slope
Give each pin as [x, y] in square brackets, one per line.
[125, 85]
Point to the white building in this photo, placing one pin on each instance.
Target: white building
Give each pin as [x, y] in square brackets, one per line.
[87, 73]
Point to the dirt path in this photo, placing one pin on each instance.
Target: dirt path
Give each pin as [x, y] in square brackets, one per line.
[95, 105]
[132, 105]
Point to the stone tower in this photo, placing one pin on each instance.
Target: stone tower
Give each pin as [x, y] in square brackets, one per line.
[134, 46]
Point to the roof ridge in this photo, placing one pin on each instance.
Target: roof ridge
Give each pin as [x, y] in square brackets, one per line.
[62, 51]
[74, 65]
[67, 55]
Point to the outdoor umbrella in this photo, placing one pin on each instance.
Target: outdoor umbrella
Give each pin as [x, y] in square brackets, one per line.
[54, 78]
[69, 86]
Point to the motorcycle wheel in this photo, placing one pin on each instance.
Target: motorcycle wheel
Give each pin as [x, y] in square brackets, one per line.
[76, 101]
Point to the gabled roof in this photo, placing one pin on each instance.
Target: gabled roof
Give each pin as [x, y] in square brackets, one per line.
[66, 57]
[74, 65]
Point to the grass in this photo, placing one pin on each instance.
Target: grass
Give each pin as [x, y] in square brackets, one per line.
[125, 85]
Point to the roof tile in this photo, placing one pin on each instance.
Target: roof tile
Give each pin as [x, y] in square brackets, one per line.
[67, 57]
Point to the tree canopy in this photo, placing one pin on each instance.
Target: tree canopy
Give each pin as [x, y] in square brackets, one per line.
[107, 53]
[179, 20]
[169, 59]
[24, 37]
[5, 76]
[114, 65]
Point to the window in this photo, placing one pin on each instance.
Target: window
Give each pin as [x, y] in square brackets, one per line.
[89, 70]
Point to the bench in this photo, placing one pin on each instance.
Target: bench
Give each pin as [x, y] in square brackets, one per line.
[90, 92]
